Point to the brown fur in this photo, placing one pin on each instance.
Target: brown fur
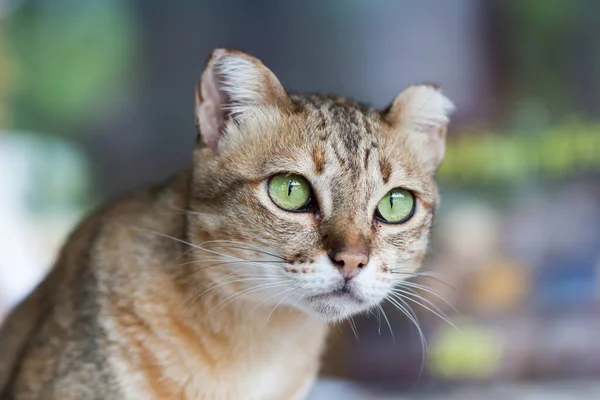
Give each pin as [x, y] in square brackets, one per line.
[157, 295]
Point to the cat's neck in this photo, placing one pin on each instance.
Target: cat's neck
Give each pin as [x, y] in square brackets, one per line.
[274, 353]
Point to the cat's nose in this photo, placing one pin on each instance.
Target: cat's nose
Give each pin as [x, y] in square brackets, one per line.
[349, 262]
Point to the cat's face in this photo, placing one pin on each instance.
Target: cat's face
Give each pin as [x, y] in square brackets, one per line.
[311, 201]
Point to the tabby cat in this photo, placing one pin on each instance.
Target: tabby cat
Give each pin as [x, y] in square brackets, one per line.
[297, 210]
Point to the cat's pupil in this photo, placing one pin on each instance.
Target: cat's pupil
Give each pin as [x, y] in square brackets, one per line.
[290, 183]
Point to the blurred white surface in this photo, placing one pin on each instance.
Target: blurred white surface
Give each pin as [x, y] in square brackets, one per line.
[334, 390]
[37, 174]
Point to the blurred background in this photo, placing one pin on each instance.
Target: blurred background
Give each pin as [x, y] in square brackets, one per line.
[96, 99]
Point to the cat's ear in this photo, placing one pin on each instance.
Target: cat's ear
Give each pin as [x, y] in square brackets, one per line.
[233, 83]
[421, 112]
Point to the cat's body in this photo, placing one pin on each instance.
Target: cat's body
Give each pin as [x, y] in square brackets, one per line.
[114, 320]
[207, 288]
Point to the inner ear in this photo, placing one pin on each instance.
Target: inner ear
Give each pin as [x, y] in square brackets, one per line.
[212, 114]
[232, 84]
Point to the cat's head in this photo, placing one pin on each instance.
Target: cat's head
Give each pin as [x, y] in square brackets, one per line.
[312, 201]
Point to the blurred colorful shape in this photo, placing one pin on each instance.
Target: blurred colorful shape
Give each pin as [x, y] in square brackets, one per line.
[473, 353]
[71, 60]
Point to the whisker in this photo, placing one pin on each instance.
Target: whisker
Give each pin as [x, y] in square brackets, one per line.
[429, 309]
[387, 321]
[277, 305]
[353, 327]
[378, 316]
[269, 298]
[184, 211]
[219, 284]
[244, 292]
[296, 302]
[413, 318]
[186, 242]
[301, 295]
[268, 268]
[253, 247]
[198, 261]
[422, 275]
[411, 292]
[407, 311]
[202, 248]
[191, 244]
[430, 291]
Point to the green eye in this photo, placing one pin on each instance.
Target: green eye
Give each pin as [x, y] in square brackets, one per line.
[397, 206]
[290, 192]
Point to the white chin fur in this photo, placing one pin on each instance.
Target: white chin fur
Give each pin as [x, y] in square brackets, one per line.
[331, 312]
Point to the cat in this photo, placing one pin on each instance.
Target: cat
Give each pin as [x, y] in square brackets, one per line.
[296, 211]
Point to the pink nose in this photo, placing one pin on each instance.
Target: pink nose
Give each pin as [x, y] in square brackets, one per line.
[349, 262]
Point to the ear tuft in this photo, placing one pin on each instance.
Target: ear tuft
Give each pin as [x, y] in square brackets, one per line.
[241, 81]
[420, 106]
[233, 83]
[422, 113]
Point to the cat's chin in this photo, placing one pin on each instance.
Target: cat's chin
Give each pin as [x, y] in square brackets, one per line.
[335, 306]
